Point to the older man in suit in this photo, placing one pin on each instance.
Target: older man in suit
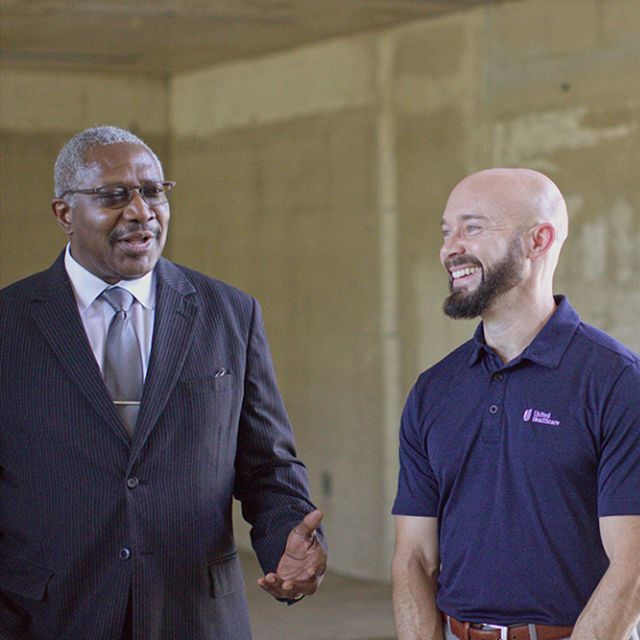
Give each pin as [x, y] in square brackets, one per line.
[137, 397]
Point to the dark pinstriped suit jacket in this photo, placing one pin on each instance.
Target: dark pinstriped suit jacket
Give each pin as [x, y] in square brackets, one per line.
[86, 516]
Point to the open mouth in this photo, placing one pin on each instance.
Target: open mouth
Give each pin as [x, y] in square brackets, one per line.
[461, 276]
[136, 242]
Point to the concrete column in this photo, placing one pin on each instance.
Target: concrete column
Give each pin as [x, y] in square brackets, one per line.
[387, 211]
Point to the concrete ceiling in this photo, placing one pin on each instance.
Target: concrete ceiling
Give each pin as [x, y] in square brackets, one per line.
[158, 37]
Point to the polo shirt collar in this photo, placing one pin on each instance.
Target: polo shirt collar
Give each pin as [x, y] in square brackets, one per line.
[87, 287]
[548, 347]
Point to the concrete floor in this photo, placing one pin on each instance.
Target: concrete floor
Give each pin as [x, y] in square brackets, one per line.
[343, 609]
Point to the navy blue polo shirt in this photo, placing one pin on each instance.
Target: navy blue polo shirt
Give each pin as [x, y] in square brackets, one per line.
[517, 462]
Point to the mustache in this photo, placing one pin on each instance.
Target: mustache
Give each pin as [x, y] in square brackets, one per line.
[152, 230]
[462, 260]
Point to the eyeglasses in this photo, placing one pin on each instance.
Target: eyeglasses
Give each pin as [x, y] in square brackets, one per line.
[118, 197]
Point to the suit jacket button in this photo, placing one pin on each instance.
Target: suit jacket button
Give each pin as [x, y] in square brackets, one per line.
[132, 482]
[125, 553]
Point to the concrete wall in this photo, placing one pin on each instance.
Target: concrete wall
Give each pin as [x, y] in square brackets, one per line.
[289, 213]
[315, 180]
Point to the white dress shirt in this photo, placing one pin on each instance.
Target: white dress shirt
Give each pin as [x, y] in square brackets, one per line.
[96, 313]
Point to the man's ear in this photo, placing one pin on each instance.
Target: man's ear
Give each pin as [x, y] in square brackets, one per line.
[541, 240]
[62, 212]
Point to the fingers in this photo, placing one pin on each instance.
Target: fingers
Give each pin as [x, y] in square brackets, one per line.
[309, 524]
[295, 578]
[289, 589]
[302, 564]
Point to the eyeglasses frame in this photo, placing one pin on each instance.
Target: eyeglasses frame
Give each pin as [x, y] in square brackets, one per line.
[166, 183]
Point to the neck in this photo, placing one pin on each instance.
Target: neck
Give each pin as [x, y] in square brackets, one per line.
[511, 323]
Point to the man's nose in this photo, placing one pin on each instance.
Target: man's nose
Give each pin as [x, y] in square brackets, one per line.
[138, 209]
[452, 245]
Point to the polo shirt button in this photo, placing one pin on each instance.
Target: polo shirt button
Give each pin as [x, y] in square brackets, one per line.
[132, 482]
[125, 553]
[498, 377]
[493, 409]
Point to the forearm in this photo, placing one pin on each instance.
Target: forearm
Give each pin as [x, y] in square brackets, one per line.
[614, 607]
[414, 600]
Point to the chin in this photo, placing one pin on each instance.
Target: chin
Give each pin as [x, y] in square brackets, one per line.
[132, 272]
[462, 306]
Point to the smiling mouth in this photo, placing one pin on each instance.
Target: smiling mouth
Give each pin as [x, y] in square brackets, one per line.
[461, 273]
[460, 276]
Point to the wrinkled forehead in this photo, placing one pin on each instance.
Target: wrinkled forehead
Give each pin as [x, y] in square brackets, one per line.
[120, 162]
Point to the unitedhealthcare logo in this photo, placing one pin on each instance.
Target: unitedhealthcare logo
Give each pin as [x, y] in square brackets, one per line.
[541, 417]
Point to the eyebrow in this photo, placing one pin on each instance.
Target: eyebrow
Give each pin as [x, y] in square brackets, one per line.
[127, 185]
[467, 216]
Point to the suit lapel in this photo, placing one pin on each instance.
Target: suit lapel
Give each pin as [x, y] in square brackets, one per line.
[56, 313]
[176, 313]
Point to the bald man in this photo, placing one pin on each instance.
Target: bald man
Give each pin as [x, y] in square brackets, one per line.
[518, 505]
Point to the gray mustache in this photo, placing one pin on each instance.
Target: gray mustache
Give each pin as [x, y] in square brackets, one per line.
[118, 234]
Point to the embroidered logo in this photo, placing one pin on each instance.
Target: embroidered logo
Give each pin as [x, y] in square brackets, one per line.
[541, 417]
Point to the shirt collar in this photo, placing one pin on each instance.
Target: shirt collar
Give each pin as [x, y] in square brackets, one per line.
[87, 287]
[548, 347]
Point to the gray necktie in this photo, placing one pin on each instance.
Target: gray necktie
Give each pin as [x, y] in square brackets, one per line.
[122, 360]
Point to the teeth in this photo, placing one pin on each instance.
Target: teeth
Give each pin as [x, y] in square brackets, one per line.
[467, 271]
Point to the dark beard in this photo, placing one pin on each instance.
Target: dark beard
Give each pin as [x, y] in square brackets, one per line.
[495, 281]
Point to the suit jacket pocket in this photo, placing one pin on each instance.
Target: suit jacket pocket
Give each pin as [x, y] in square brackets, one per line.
[24, 577]
[225, 576]
[207, 384]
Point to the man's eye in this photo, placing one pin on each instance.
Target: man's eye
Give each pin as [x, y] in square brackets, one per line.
[113, 196]
[153, 192]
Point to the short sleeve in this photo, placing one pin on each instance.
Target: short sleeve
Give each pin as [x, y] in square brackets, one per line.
[619, 468]
[417, 485]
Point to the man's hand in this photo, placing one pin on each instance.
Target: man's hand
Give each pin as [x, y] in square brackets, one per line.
[303, 562]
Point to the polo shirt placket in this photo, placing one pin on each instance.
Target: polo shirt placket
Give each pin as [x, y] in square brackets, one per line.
[494, 419]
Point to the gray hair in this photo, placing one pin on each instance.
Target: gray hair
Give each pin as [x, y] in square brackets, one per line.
[71, 159]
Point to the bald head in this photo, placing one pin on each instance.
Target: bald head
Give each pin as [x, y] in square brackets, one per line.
[502, 234]
[517, 198]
